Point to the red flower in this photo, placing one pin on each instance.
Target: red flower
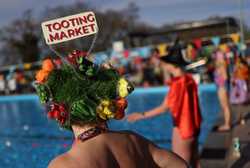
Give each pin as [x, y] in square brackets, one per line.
[121, 104]
[58, 112]
[76, 54]
[58, 62]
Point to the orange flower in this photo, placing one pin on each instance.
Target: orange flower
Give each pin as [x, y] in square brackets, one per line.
[41, 76]
[48, 65]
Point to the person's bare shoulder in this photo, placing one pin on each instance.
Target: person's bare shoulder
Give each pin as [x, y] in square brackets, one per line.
[62, 161]
[161, 157]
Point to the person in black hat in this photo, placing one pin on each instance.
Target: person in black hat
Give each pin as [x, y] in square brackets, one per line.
[182, 101]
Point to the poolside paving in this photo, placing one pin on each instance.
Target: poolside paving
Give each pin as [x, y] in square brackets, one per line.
[243, 133]
[219, 150]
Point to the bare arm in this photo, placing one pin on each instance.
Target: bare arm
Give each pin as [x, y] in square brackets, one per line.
[151, 113]
[161, 157]
[156, 111]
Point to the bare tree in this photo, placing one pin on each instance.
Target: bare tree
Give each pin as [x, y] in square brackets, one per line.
[19, 40]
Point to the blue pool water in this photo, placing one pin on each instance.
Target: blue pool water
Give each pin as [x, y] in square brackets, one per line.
[28, 139]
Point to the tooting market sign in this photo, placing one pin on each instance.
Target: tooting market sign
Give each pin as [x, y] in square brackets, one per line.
[69, 27]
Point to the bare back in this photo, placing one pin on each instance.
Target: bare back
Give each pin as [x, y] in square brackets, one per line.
[117, 149]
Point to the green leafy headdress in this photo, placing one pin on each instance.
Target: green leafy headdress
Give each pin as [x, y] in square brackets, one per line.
[81, 92]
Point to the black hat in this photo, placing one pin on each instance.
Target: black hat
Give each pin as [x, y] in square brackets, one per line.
[174, 55]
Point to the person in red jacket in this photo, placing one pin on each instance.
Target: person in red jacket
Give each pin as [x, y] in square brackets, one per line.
[183, 103]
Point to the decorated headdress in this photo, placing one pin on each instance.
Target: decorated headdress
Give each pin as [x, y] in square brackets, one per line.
[79, 92]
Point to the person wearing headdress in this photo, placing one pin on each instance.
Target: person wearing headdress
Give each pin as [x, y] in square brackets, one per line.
[82, 97]
[182, 101]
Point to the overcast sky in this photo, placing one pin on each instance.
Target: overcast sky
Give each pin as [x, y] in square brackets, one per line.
[155, 12]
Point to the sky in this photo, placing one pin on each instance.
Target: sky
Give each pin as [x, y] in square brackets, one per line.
[155, 12]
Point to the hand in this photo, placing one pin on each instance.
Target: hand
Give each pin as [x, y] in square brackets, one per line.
[135, 117]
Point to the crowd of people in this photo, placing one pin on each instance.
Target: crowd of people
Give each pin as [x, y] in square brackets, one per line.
[146, 72]
[18, 82]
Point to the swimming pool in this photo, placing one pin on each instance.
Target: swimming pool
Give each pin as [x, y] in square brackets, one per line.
[28, 139]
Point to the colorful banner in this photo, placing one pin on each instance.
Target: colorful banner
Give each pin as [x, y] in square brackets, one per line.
[162, 49]
[27, 66]
[216, 40]
[197, 43]
[235, 38]
[126, 54]
[144, 51]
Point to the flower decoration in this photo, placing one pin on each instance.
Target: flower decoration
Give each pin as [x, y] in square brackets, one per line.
[41, 76]
[75, 55]
[106, 109]
[59, 113]
[121, 105]
[80, 91]
[124, 88]
[47, 67]
[112, 109]
[58, 62]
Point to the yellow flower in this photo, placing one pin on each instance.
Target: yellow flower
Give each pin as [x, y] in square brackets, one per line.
[108, 112]
[104, 110]
[102, 116]
[105, 102]
[122, 87]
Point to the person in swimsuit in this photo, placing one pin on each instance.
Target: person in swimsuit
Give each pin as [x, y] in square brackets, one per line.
[221, 79]
[82, 99]
[182, 101]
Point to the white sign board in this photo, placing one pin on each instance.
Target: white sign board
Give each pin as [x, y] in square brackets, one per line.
[69, 27]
